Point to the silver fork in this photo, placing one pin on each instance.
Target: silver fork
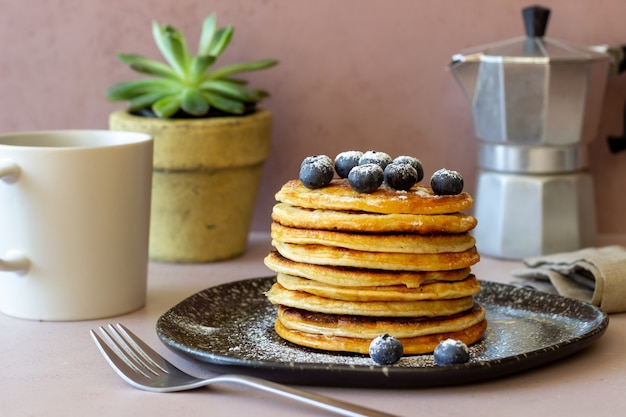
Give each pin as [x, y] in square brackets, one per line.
[144, 368]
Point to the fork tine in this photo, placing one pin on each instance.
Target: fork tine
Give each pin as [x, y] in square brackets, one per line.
[126, 352]
[141, 348]
[118, 362]
[129, 350]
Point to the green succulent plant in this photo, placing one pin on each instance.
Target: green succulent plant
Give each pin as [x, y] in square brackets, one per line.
[186, 85]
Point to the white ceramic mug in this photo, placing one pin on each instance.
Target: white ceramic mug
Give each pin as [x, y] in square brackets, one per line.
[74, 223]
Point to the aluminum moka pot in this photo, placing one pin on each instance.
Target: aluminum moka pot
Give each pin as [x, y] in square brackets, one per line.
[533, 91]
[536, 104]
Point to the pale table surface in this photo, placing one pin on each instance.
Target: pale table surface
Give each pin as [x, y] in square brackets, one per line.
[54, 369]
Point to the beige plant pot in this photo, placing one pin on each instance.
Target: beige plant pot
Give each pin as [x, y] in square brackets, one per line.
[205, 180]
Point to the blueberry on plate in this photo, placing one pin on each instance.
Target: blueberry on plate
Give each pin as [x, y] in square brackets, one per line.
[385, 350]
[414, 162]
[451, 352]
[446, 182]
[400, 176]
[345, 161]
[316, 171]
[366, 178]
[373, 157]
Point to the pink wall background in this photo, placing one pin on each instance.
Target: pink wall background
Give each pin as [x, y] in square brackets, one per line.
[353, 74]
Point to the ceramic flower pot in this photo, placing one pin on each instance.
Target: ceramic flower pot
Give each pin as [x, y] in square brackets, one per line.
[205, 179]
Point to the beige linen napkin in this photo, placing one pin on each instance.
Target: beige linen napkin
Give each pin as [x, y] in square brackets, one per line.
[595, 275]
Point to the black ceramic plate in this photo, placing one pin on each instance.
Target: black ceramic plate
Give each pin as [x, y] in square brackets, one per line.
[230, 328]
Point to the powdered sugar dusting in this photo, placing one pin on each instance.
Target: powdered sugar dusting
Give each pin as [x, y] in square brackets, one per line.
[352, 154]
[252, 338]
[320, 162]
[368, 169]
[449, 173]
[375, 157]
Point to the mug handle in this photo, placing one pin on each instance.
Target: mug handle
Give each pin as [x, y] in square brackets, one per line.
[9, 171]
[13, 260]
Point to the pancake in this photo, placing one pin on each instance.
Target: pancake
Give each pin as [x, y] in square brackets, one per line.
[338, 195]
[388, 242]
[434, 291]
[327, 255]
[411, 345]
[279, 295]
[359, 277]
[368, 328]
[352, 221]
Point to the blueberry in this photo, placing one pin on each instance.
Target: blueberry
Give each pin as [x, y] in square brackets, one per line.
[400, 176]
[366, 178]
[345, 161]
[373, 157]
[385, 350]
[414, 162]
[316, 171]
[450, 352]
[446, 182]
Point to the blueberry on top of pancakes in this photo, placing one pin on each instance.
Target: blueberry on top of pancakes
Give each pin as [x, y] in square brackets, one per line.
[400, 176]
[366, 178]
[345, 161]
[316, 171]
[374, 157]
[446, 182]
[414, 162]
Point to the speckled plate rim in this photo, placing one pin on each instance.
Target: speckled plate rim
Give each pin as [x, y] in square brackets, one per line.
[590, 323]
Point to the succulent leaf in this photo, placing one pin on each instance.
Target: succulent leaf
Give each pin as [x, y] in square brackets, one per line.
[145, 100]
[241, 67]
[193, 102]
[128, 89]
[206, 37]
[224, 103]
[221, 40]
[170, 47]
[262, 94]
[236, 80]
[177, 46]
[198, 67]
[148, 66]
[232, 90]
[167, 106]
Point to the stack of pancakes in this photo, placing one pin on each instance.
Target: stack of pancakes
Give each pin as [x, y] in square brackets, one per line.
[353, 266]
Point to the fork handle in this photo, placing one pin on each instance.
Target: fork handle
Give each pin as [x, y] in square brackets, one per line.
[316, 400]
